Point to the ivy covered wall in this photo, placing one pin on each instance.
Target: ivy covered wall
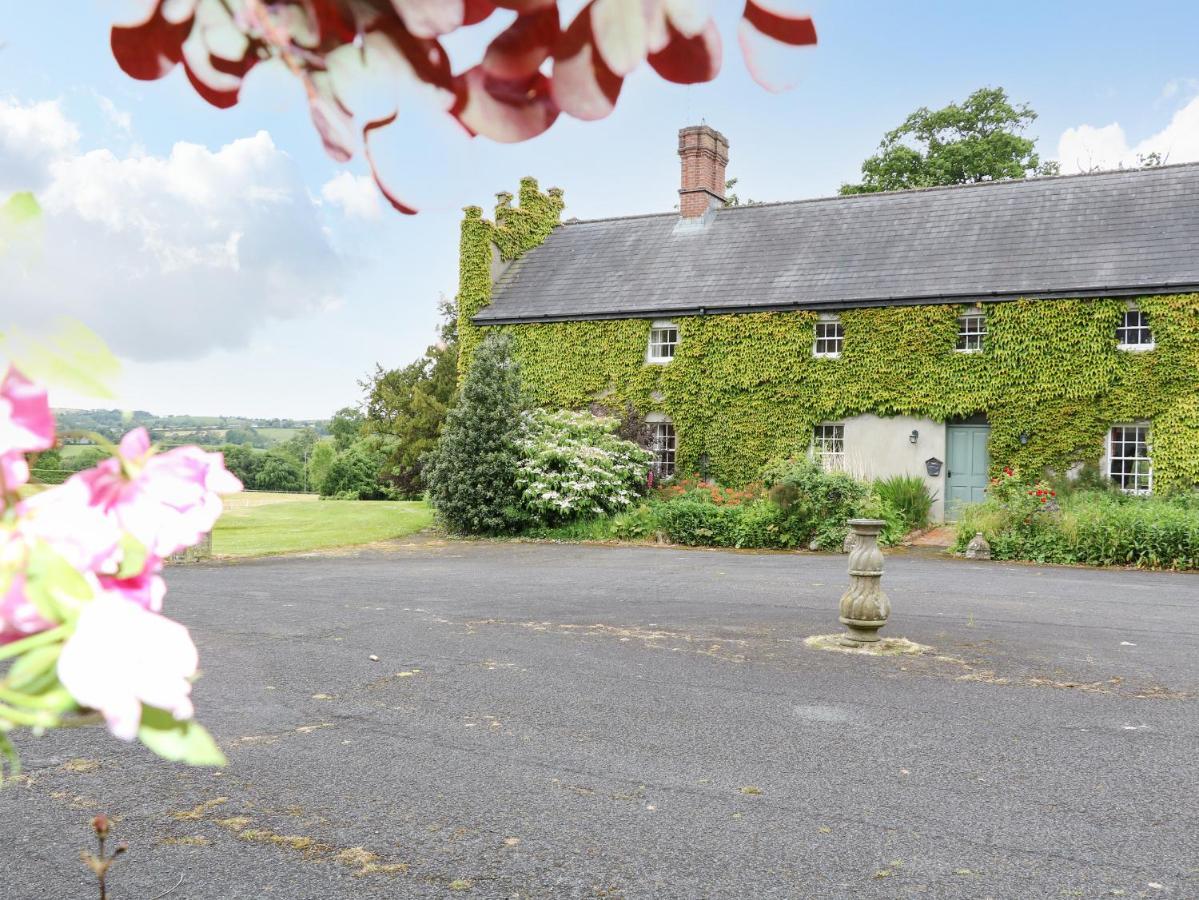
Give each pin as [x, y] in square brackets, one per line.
[745, 388]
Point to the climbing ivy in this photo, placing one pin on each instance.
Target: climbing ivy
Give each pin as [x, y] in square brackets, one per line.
[516, 230]
[745, 388]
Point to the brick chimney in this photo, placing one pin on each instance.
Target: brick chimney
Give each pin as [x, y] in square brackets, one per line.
[704, 152]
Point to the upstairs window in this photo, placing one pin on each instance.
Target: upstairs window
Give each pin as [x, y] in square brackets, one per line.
[663, 447]
[830, 336]
[828, 446]
[663, 339]
[972, 329]
[1133, 333]
[1129, 458]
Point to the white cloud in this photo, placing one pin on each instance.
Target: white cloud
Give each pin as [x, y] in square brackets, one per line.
[117, 116]
[32, 138]
[357, 195]
[1107, 147]
[167, 257]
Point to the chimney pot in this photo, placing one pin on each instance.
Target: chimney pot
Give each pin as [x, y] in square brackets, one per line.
[704, 153]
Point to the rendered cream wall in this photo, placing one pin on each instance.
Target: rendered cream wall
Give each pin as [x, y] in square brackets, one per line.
[876, 447]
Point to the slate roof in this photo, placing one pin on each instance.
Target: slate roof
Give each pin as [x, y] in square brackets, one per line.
[1112, 234]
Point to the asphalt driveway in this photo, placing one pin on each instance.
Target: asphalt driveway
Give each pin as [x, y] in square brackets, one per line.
[571, 721]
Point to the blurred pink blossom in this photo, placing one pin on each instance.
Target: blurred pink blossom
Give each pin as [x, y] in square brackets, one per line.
[25, 420]
[122, 656]
[146, 589]
[166, 501]
[63, 517]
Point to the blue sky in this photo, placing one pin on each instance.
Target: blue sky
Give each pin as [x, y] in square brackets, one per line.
[150, 192]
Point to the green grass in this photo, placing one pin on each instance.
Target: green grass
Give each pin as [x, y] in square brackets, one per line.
[278, 435]
[72, 450]
[292, 527]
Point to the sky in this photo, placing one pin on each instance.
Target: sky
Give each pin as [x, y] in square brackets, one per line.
[235, 269]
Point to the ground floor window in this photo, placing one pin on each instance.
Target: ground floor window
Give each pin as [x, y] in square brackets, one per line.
[828, 445]
[663, 448]
[1129, 460]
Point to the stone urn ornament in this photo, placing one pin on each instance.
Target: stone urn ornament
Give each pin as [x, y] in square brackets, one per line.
[864, 607]
[978, 548]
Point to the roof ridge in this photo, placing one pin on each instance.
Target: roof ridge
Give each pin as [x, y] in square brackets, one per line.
[875, 195]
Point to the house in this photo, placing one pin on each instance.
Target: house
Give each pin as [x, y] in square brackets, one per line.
[1048, 323]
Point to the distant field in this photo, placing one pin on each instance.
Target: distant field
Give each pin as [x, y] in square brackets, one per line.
[257, 525]
[278, 435]
[265, 498]
[70, 451]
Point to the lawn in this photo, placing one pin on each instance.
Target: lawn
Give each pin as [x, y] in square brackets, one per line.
[291, 525]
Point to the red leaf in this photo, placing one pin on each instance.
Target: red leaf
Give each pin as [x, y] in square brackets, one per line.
[583, 85]
[221, 98]
[519, 50]
[476, 11]
[505, 111]
[395, 201]
[688, 60]
[150, 49]
[797, 31]
[430, 18]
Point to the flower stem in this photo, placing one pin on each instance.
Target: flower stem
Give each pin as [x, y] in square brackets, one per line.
[41, 639]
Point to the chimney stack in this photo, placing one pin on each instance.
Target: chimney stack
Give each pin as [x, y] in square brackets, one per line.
[704, 153]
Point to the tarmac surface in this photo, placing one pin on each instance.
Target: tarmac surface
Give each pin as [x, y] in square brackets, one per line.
[586, 721]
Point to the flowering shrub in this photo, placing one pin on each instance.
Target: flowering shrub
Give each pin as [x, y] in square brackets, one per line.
[696, 488]
[81, 589]
[1034, 521]
[573, 465]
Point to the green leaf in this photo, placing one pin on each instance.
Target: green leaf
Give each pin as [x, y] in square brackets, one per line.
[133, 556]
[32, 665]
[178, 741]
[74, 359]
[53, 585]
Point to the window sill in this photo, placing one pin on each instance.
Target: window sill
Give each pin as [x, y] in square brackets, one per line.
[659, 360]
[826, 356]
[1135, 348]
[967, 352]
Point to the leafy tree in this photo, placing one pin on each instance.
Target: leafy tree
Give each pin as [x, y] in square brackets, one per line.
[346, 426]
[407, 407]
[243, 462]
[277, 471]
[471, 473]
[319, 461]
[85, 459]
[300, 444]
[354, 474]
[979, 140]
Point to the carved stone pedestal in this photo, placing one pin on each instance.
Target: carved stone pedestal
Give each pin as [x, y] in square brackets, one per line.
[864, 607]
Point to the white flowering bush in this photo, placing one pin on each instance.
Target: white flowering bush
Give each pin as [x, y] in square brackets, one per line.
[573, 466]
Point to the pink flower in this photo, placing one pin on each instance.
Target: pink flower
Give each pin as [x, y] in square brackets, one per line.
[166, 501]
[122, 656]
[14, 469]
[25, 420]
[18, 617]
[146, 589]
[64, 518]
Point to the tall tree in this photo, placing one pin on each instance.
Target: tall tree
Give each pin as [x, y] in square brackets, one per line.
[346, 427]
[472, 472]
[981, 139]
[406, 407]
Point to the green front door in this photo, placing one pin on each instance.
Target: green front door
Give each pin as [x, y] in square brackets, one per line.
[966, 467]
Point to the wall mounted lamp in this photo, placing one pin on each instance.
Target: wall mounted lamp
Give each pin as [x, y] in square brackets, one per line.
[1023, 438]
[914, 436]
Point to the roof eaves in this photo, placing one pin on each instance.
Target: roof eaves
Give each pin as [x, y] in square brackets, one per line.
[854, 303]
